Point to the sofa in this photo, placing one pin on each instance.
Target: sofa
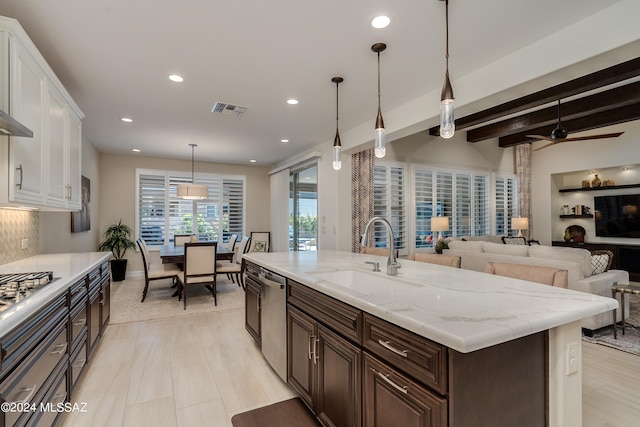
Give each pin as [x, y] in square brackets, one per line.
[584, 271]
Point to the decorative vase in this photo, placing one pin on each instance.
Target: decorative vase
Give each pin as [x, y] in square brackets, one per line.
[596, 182]
[567, 235]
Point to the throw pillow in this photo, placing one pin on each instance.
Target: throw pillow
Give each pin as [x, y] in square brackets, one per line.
[600, 261]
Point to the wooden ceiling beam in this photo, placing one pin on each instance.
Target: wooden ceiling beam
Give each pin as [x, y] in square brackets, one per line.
[618, 97]
[606, 118]
[604, 77]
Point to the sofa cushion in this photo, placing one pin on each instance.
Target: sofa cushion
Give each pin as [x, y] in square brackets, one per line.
[494, 238]
[580, 256]
[533, 273]
[499, 248]
[461, 245]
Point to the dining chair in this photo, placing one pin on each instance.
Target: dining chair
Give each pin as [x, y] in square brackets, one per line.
[260, 241]
[199, 268]
[181, 239]
[154, 271]
[231, 244]
[235, 267]
[447, 260]
[533, 273]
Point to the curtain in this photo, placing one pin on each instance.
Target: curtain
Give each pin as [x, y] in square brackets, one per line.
[361, 194]
[523, 175]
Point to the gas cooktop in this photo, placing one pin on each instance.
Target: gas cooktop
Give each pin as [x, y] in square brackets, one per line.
[15, 287]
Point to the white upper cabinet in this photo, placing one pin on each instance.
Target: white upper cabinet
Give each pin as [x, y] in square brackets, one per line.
[43, 171]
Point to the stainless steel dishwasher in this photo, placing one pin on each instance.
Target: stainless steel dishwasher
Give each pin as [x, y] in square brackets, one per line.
[274, 320]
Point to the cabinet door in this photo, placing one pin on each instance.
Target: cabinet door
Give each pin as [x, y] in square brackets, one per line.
[252, 309]
[301, 348]
[339, 391]
[94, 320]
[105, 303]
[26, 176]
[74, 158]
[56, 184]
[392, 399]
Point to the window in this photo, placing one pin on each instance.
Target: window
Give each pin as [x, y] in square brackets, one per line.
[506, 203]
[161, 214]
[389, 202]
[460, 195]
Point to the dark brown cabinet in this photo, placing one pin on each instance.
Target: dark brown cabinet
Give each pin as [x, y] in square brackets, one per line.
[394, 399]
[252, 306]
[301, 346]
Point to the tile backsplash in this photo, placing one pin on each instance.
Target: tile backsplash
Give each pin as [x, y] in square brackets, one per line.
[16, 226]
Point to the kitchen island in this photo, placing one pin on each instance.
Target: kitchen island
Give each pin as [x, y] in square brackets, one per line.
[490, 335]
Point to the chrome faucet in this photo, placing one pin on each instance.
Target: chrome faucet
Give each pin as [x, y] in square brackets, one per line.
[392, 262]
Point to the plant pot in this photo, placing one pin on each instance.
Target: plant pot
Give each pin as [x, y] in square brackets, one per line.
[118, 269]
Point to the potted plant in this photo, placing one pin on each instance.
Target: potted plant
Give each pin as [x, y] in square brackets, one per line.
[117, 239]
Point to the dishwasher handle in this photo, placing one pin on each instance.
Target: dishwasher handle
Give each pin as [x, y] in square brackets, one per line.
[271, 279]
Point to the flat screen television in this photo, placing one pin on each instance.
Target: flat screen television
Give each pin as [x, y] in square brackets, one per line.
[617, 216]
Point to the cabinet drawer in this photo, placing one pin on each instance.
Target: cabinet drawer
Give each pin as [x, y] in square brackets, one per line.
[28, 378]
[78, 292]
[19, 343]
[78, 322]
[340, 317]
[77, 362]
[422, 359]
[57, 395]
[391, 398]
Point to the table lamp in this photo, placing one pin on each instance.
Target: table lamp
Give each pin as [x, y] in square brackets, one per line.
[520, 223]
[440, 224]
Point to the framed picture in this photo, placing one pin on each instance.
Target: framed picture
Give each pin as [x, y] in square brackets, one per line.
[81, 220]
[259, 246]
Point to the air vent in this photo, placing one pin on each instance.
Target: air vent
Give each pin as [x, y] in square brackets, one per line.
[228, 109]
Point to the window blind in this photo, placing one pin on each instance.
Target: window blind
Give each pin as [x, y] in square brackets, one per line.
[389, 203]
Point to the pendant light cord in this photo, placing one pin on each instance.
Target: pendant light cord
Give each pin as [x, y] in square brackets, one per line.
[446, 17]
[193, 146]
[337, 115]
[378, 80]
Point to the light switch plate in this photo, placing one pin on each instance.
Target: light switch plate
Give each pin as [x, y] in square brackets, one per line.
[573, 362]
[25, 244]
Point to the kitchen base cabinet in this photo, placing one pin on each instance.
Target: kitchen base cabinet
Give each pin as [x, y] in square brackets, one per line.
[301, 345]
[252, 309]
[105, 301]
[393, 399]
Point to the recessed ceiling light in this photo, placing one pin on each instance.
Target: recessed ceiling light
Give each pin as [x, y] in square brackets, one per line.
[176, 78]
[292, 101]
[135, 150]
[380, 21]
[126, 119]
[252, 161]
[284, 141]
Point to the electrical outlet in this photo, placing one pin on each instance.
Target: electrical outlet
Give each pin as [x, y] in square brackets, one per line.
[25, 244]
[573, 362]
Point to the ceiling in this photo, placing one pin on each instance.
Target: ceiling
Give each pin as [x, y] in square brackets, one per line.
[115, 57]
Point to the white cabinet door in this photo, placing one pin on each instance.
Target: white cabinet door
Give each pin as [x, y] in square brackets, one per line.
[57, 193]
[26, 176]
[74, 156]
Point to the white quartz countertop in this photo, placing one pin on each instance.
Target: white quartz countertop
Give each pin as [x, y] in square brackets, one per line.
[67, 269]
[462, 309]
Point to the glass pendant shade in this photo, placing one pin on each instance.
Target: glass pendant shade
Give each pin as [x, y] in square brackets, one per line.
[192, 191]
[337, 152]
[447, 120]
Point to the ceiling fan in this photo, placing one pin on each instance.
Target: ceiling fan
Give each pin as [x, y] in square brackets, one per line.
[560, 133]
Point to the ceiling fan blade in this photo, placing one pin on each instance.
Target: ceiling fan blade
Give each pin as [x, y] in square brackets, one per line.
[541, 137]
[601, 136]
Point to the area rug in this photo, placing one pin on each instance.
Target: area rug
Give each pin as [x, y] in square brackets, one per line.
[159, 304]
[630, 341]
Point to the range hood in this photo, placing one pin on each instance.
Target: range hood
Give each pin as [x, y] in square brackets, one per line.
[10, 126]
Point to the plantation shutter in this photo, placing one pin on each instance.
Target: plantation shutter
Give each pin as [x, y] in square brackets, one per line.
[152, 208]
[389, 203]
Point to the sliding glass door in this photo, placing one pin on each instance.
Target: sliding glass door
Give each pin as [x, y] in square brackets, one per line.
[303, 209]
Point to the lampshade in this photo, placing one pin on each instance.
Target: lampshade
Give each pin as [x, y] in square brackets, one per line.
[520, 223]
[440, 223]
[193, 191]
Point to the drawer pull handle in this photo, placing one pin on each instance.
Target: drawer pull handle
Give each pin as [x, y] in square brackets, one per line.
[388, 346]
[311, 338]
[19, 183]
[27, 399]
[315, 350]
[79, 363]
[80, 322]
[62, 347]
[385, 378]
[59, 398]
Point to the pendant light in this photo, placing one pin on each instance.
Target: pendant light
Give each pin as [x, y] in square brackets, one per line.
[379, 132]
[447, 121]
[337, 146]
[193, 191]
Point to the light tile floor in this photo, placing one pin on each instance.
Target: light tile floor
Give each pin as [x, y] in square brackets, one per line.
[201, 370]
[192, 371]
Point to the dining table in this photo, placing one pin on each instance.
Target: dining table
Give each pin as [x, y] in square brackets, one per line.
[172, 254]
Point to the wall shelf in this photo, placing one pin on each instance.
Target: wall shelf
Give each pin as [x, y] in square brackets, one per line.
[608, 187]
[577, 216]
